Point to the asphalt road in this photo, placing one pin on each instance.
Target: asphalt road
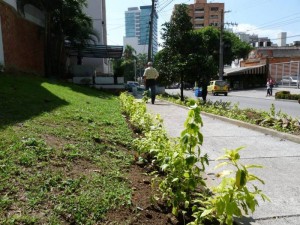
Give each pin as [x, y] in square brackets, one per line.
[255, 99]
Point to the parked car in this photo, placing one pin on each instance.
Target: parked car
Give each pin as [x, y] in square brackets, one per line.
[187, 85]
[130, 85]
[216, 87]
[173, 86]
[290, 80]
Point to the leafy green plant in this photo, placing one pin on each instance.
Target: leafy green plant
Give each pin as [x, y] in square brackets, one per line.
[233, 196]
[136, 111]
[183, 165]
[277, 121]
[146, 95]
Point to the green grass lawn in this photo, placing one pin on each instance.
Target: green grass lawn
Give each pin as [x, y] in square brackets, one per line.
[63, 152]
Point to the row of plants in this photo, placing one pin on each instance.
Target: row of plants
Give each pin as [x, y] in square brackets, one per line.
[274, 120]
[287, 95]
[179, 168]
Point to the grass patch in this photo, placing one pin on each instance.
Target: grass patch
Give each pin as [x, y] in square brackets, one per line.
[63, 152]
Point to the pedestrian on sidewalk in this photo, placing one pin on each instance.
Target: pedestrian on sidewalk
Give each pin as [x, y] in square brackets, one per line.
[268, 88]
[204, 90]
[271, 86]
[150, 76]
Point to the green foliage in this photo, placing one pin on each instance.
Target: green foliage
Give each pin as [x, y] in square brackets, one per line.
[62, 152]
[286, 95]
[146, 97]
[177, 160]
[277, 121]
[175, 58]
[233, 196]
[198, 58]
[136, 111]
[184, 165]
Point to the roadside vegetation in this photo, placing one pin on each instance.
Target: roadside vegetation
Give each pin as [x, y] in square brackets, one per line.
[63, 152]
[66, 151]
[179, 166]
[278, 121]
[287, 95]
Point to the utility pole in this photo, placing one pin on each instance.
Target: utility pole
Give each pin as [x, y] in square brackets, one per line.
[221, 51]
[221, 64]
[151, 32]
[134, 61]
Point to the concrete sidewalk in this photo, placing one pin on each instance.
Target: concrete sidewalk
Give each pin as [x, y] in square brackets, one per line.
[280, 158]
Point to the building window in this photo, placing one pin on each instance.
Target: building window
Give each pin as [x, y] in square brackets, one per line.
[199, 25]
[214, 9]
[200, 10]
[214, 16]
[214, 24]
[199, 18]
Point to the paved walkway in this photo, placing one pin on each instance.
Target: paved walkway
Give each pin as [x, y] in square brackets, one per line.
[279, 156]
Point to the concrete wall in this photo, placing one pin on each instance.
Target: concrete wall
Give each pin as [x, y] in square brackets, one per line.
[22, 40]
[96, 10]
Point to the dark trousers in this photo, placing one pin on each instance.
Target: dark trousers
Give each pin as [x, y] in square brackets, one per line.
[204, 94]
[150, 84]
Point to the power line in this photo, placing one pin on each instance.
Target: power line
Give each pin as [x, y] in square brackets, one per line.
[298, 35]
[165, 5]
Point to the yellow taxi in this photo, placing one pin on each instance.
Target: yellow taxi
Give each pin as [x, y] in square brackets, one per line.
[216, 87]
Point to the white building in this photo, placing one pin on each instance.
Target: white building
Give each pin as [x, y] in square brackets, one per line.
[281, 39]
[134, 42]
[101, 66]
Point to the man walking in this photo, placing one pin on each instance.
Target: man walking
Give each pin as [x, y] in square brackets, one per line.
[150, 75]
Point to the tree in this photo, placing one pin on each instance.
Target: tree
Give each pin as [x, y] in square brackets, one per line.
[175, 36]
[200, 58]
[234, 48]
[128, 62]
[141, 63]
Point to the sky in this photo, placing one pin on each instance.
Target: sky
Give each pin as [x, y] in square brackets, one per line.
[266, 18]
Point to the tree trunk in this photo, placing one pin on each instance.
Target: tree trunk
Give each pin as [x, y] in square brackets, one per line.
[181, 87]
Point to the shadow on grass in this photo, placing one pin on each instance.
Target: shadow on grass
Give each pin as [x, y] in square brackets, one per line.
[86, 90]
[23, 97]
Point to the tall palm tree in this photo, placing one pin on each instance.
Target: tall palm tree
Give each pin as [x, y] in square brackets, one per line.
[129, 53]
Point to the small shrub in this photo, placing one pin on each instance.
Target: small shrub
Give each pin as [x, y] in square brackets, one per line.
[286, 95]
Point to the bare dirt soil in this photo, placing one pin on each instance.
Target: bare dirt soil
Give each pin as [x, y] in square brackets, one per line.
[143, 210]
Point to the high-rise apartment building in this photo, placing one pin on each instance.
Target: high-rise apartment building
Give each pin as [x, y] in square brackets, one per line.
[137, 29]
[206, 14]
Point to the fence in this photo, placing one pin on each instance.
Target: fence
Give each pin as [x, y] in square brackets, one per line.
[287, 73]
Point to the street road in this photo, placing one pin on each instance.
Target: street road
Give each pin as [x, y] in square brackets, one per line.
[259, 101]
